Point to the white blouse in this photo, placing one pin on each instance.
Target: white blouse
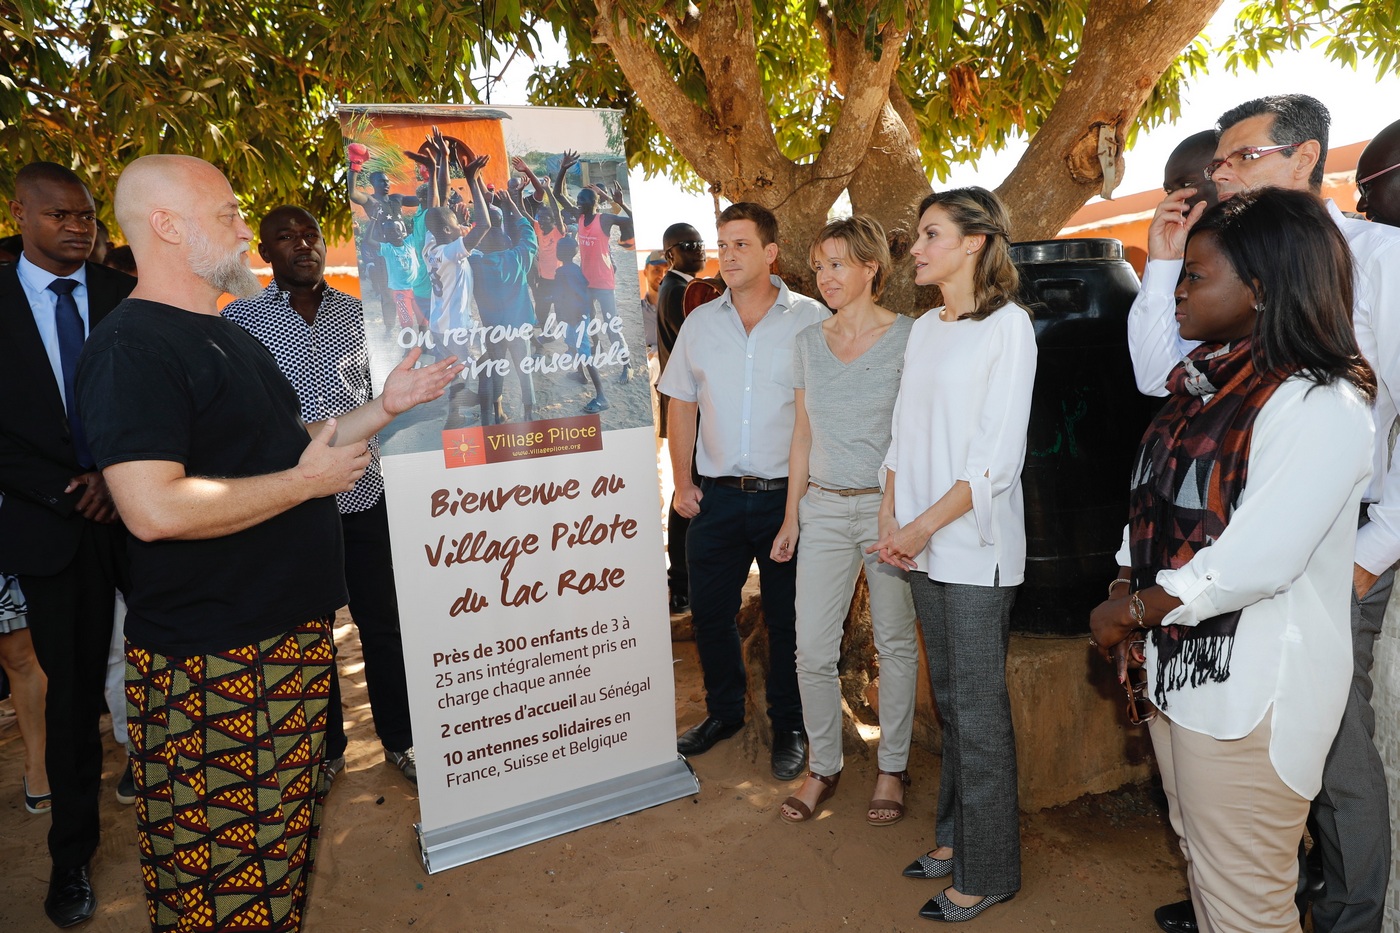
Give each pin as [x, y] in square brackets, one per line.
[1285, 559]
[963, 407]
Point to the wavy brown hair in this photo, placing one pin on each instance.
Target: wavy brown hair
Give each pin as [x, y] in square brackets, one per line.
[995, 281]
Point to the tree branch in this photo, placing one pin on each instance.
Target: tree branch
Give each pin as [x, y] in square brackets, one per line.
[728, 51]
[1126, 48]
[867, 92]
[731, 143]
[685, 28]
[692, 129]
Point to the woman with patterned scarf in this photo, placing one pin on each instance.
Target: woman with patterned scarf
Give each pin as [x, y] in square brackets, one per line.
[1242, 525]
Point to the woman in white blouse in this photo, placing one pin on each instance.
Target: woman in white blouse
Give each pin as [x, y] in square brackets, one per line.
[952, 516]
[1242, 530]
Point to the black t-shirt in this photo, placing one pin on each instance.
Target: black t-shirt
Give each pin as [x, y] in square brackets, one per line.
[156, 382]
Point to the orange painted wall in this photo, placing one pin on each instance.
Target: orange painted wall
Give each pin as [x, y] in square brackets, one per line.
[408, 131]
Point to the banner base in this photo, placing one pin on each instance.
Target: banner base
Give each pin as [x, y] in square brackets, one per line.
[494, 833]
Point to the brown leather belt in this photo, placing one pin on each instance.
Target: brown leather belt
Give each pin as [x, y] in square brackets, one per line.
[751, 483]
[863, 491]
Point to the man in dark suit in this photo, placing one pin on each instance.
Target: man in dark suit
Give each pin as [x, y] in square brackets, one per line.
[58, 528]
[685, 251]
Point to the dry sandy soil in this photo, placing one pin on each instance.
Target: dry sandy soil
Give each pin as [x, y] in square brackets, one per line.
[720, 861]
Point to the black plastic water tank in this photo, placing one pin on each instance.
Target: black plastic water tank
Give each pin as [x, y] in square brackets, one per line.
[1086, 420]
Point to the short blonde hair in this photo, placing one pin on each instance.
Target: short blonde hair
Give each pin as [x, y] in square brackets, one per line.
[865, 242]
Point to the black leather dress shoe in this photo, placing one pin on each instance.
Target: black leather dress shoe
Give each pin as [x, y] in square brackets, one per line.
[680, 602]
[789, 754]
[1177, 918]
[700, 739]
[70, 900]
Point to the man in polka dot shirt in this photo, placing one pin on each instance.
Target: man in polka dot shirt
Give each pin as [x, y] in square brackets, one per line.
[316, 333]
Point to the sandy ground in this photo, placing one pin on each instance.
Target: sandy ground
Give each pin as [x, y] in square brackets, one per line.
[721, 861]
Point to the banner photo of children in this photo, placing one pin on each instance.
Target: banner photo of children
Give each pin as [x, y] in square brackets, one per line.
[523, 507]
[504, 237]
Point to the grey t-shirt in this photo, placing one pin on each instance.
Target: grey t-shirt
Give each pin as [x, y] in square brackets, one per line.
[850, 405]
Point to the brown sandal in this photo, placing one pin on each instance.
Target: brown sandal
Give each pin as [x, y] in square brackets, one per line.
[792, 802]
[895, 805]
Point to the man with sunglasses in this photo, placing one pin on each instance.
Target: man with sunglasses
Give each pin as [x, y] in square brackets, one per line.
[1378, 177]
[1282, 141]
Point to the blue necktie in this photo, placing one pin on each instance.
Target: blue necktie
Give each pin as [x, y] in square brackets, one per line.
[71, 335]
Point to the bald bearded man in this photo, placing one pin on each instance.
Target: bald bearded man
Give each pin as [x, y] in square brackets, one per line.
[236, 561]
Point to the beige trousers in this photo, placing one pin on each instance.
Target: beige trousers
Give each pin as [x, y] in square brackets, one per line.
[836, 530]
[1238, 824]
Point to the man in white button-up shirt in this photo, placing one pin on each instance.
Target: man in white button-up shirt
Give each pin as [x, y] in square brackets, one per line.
[1282, 141]
[732, 365]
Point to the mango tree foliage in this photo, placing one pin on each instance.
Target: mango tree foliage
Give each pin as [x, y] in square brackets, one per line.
[787, 102]
[247, 85]
[968, 77]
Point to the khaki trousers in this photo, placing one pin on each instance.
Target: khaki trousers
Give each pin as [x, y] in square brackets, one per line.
[1238, 824]
[836, 530]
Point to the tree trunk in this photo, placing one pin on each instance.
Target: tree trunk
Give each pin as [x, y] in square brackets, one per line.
[1127, 46]
[730, 140]
[798, 224]
[888, 186]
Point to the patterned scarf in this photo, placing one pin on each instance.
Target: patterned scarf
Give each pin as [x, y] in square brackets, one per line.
[1187, 480]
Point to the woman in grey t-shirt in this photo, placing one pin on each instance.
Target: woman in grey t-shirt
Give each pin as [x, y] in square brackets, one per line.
[846, 372]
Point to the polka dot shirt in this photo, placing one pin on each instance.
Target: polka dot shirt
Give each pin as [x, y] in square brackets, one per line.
[327, 364]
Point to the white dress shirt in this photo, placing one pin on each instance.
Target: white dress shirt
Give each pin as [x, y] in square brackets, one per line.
[43, 304]
[1156, 347]
[963, 407]
[1285, 559]
[741, 381]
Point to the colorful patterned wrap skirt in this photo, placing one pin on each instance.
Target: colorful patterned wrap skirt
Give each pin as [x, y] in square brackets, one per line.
[226, 751]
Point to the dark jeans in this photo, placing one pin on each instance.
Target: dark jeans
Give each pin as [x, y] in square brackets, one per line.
[369, 576]
[70, 620]
[678, 574]
[733, 529]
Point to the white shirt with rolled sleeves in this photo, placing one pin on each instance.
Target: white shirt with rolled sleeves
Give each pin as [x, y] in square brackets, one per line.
[1284, 559]
[963, 407]
[1156, 347]
[741, 381]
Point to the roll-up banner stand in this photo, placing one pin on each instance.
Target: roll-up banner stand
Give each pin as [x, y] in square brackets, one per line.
[527, 551]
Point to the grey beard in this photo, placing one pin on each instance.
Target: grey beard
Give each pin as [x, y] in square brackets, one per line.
[226, 273]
